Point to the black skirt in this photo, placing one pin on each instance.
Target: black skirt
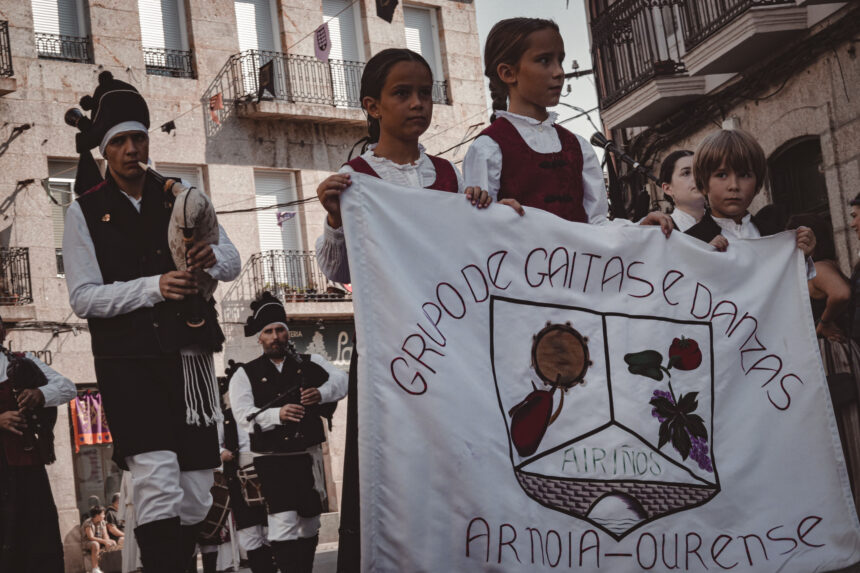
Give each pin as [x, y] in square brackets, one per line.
[144, 402]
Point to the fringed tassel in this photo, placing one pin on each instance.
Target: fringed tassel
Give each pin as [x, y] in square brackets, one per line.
[202, 405]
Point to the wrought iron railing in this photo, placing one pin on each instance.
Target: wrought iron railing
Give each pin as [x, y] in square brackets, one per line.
[295, 78]
[15, 285]
[293, 276]
[170, 63]
[5, 50]
[703, 18]
[60, 47]
[634, 41]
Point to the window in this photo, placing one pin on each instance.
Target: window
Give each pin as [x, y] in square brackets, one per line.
[256, 26]
[272, 188]
[61, 30]
[164, 38]
[346, 47]
[422, 36]
[190, 174]
[61, 182]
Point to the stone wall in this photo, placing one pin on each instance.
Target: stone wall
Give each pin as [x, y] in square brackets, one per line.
[46, 89]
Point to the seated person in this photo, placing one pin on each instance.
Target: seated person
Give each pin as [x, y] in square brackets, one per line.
[94, 536]
[115, 526]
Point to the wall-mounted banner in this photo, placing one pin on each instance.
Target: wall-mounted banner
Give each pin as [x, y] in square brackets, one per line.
[322, 43]
[539, 394]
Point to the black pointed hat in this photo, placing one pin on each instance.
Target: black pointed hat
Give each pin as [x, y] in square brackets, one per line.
[264, 311]
[112, 103]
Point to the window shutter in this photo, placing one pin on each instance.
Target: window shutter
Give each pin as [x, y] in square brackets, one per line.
[160, 24]
[190, 174]
[61, 178]
[419, 34]
[56, 17]
[254, 25]
[344, 43]
[273, 188]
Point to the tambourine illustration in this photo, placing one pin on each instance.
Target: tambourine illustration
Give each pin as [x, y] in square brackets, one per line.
[560, 358]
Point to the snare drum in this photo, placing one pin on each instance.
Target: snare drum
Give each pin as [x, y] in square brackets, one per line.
[216, 519]
[252, 491]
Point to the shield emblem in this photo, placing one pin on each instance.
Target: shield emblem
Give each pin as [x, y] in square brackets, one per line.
[609, 416]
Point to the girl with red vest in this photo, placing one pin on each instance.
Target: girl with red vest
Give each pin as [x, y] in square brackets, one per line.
[524, 154]
[396, 93]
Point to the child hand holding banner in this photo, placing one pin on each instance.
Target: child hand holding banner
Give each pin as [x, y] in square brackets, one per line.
[543, 394]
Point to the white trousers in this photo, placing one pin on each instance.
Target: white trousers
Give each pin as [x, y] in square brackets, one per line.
[251, 538]
[288, 525]
[162, 491]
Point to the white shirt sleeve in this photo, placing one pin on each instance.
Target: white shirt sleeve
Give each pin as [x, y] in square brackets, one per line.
[593, 186]
[482, 166]
[336, 386]
[59, 389]
[461, 186]
[242, 401]
[88, 295]
[331, 254]
[228, 264]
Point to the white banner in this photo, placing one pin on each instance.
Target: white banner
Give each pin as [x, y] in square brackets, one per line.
[536, 394]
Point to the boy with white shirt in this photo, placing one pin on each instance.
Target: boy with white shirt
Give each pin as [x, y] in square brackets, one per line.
[729, 167]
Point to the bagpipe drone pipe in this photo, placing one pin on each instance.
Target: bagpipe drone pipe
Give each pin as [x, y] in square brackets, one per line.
[24, 374]
[639, 203]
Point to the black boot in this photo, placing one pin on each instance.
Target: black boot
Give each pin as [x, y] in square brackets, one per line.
[210, 562]
[308, 549]
[260, 560]
[160, 546]
[188, 541]
[287, 555]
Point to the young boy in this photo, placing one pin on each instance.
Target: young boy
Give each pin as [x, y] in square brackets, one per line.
[729, 167]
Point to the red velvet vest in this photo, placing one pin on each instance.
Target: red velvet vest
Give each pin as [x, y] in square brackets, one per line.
[446, 177]
[548, 181]
[12, 445]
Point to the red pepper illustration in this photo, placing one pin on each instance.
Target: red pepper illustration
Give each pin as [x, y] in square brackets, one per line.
[684, 354]
[530, 419]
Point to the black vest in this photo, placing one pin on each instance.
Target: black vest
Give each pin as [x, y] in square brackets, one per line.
[267, 383]
[130, 245]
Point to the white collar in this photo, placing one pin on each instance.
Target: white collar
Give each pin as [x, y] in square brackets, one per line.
[683, 219]
[730, 223]
[550, 120]
[402, 166]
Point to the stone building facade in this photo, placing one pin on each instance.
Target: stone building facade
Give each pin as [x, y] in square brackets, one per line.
[196, 63]
[668, 73]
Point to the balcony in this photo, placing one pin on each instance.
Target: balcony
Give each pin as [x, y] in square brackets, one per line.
[7, 82]
[305, 89]
[16, 291]
[637, 47]
[66, 48]
[294, 276]
[169, 63]
[726, 36]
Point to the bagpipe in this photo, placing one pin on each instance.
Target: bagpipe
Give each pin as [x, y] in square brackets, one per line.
[24, 374]
[192, 220]
[294, 436]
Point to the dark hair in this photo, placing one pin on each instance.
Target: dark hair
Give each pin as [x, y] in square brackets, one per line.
[95, 510]
[373, 79]
[506, 44]
[736, 148]
[825, 247]
[667, 168]
[114, 498]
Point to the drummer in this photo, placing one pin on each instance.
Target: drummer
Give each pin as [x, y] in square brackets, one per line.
[285, 394]
[250, 521]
